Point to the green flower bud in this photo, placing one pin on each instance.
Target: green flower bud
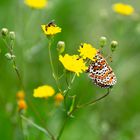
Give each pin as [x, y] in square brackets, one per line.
[4, 32]
[9, 56]
[12, 35]
[103, 41]
[60, 46]
[114, 44]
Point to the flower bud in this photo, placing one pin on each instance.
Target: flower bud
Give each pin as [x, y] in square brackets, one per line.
[103, 41]
[9, 56]
[114, 44]
[60, 46]
[12, 35]
[58, 98]
[22, 105]
[4, 32]
[20, 95]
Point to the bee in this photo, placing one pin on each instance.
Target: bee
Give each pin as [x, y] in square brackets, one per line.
[50, 24]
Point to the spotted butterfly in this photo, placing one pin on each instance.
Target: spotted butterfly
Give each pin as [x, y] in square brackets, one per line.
[101, 73]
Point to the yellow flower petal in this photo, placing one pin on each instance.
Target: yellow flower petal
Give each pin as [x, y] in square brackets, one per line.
[43, 91]
[87, 51]
[38, 4]
[73, 63]
[123, 9]
[51, 29]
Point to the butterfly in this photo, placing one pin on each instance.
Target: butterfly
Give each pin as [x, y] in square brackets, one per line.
[101, 73]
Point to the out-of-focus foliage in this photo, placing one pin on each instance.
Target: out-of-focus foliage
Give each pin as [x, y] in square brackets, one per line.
[114, 118]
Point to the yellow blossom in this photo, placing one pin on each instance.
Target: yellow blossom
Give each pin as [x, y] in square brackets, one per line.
[37, 4]
[123, 9]
[58, 98]
[22, 104]
[51, 29]
[43, 91]
[73, 63]
[87, 51]
[20, 94]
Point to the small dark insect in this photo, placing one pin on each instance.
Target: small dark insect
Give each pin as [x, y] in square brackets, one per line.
[101, 73]
[50, 24]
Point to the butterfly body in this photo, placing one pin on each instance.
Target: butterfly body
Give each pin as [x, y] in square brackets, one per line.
[101, 73]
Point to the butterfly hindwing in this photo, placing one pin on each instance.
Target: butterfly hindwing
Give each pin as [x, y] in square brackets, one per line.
[101, 73]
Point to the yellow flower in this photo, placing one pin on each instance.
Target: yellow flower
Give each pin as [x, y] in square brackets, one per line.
[87, 51]
[123, 9]
[73, 63]
[43, 91]
[51, 29]
[22, 104]
[59, 98]
[38, 4]
[20, 94]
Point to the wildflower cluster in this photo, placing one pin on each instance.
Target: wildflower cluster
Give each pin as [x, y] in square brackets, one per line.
[73, 65]
[77, 63]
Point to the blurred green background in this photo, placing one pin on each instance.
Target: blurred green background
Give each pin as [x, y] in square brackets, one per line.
[114, 118]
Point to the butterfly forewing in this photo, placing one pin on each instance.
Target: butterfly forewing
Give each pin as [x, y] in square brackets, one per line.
[101, 72]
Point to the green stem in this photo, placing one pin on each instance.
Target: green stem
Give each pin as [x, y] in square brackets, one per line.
[72, 109]
[65, 122]
[22, 129]
[52, 67]
[18, 73]
[69, 85]
[62, 128]
[66, 75]
[61, 76]
[94, 101]
[78, 107]
[65, 92]
[38, 127]
[10, 48]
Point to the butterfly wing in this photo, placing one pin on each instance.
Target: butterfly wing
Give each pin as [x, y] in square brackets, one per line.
[101, 73]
